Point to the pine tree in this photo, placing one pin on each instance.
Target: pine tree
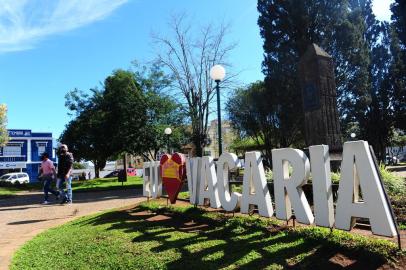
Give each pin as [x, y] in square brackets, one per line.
[398, 69]
[360, 47]
[379, 118]
[398, 9]
[288, 27]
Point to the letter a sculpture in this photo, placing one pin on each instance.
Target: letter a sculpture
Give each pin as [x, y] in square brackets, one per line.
[173, 171]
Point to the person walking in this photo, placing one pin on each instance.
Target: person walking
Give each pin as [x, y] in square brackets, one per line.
[47, 173]
[64, 177]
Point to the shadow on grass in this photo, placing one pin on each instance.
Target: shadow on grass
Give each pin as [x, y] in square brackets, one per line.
[27, 221]
[92, 188]
[25, 201]
[9, 191]
[207, 243]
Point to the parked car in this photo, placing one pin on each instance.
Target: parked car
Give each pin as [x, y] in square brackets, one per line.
[130, 172]
[112, 174]
[15, 178]
[391, 160]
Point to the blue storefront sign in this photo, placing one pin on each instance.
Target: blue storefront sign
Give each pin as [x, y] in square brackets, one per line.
[19, 133]
[12, 165]
[23, 152]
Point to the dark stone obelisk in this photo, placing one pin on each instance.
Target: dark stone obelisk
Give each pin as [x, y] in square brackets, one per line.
[316, 72]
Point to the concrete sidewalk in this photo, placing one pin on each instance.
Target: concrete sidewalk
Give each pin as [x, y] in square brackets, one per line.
[22, 217]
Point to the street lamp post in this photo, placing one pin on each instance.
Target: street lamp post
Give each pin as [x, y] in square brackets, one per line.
[168, 132]
[217, 73]
[352, 136]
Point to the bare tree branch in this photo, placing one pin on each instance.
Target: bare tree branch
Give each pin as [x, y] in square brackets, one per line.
[189, 59]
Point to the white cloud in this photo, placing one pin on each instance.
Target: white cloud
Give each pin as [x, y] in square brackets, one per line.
[381, 9]
[23, 23]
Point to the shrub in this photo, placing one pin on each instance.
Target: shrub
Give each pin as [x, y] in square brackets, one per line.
[78, 166]
[335, 177]
[399, 207]
[394, 184]
[269, 175]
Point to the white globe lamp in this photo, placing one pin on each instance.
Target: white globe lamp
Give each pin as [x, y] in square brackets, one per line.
[168, 131]
[217, 73]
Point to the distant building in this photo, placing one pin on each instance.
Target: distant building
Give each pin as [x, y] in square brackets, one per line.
[189, 150]
[23, 151]
[396, 151]
[227, 133]
[136, 162]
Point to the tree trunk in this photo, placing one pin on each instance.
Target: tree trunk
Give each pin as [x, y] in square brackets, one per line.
[125, 167]
[96, 169]
[198, 144]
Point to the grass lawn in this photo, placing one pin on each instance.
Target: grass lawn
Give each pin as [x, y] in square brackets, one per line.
[152, 236]
[78, 186]
[11, 190]
[8, 191]
[107, 184]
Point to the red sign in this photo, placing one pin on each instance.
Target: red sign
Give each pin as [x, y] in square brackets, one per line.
[131, 172]
[173, 171]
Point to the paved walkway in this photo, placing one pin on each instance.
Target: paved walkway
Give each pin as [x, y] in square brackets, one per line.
[22, 217]
[399, 170]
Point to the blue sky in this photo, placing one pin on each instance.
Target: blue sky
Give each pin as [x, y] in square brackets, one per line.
[48, 47]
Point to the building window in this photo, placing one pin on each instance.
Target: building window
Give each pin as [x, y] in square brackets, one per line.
[41, 147]
[207, 153]
[12, 150]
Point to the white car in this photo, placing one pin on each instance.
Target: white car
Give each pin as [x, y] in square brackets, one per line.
[14, 178]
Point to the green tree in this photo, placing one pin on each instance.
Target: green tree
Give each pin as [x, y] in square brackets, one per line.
[398, 9]
[399, 138]
[241, 145]
[373, 111]
[108, 122]
[162, 111]
[78, 166]
[125, 113]
[398, 69]
[85, 135]
[378, 123]
[128, 116]
[3, 125]
[384, 61]
[288, 27]
[254, 114]
[359, 45]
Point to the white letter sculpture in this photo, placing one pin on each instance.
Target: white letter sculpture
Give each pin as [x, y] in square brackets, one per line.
[225, 163]
[147, 183]
[193, 171]
[288, 191]
[152, 186]
[255, 188]
[358, 169]
[208, 183]
[322, 192]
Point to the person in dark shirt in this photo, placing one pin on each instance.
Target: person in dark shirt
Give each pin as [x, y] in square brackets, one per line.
[64, 175]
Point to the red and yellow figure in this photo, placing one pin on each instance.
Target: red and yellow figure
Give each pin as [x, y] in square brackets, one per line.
[173, 172]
